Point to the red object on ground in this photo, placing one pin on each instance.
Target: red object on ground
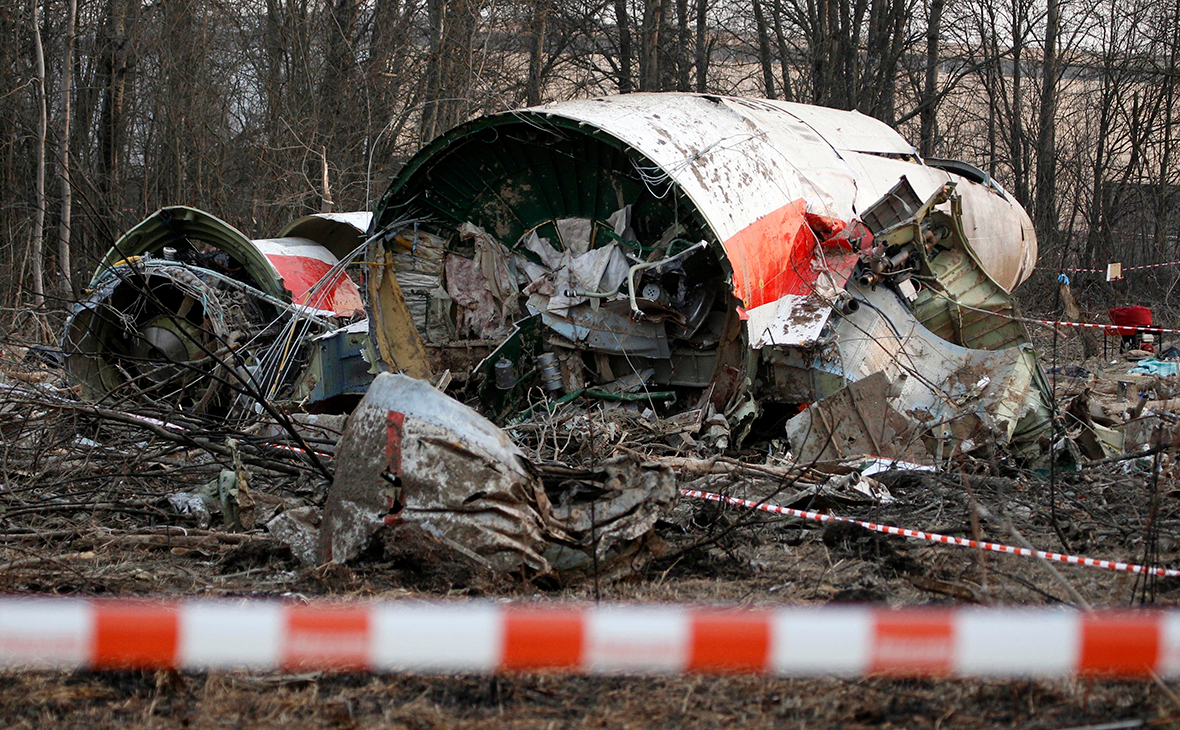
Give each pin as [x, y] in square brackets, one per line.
[1129, 317]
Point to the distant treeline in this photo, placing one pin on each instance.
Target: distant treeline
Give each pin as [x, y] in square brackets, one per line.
[264, 110]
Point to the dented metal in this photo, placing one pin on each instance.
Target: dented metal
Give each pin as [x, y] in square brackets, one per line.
[186, 309]
[737, 250]
[411, 453]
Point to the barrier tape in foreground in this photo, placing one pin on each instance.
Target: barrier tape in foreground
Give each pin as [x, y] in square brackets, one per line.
[935, 537]
[1103, 271]
[54, 633]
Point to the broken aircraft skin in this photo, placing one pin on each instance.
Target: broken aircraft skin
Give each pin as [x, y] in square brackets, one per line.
[411, 453]
[187, 310]
[693, 251]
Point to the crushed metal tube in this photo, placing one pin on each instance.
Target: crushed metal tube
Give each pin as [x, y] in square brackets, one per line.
[711, 254]
[684, 261]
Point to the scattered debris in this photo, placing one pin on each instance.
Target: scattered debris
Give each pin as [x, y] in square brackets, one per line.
[762, 301]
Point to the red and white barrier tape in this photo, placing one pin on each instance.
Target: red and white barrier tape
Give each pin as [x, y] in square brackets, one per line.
[1112, 329]
[1103, 271]
[935, 537]
[486, 637]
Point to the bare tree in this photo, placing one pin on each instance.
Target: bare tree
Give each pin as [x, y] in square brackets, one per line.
[246, 108]
[1046, 146]
[36, 253]
[930, 86]
[63, 229]
[623, 23]
[764, 58]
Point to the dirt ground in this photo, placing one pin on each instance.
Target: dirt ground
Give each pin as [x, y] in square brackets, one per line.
[85, 512]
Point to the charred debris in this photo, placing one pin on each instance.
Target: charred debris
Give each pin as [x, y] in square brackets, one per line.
[566, 310]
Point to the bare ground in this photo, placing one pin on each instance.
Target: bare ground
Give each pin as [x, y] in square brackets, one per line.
[89, 517]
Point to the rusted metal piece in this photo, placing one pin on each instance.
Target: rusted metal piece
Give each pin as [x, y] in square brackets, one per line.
[856, 420]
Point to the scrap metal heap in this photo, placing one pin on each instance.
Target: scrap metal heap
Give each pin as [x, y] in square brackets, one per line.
[684, 261]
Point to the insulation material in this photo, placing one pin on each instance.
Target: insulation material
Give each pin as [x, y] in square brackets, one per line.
[418, 262]
[479, 314]
[495, 263]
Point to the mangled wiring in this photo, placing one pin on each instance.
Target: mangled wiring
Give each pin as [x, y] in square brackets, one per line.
[659, 175]
[275, 367]
[276, 364]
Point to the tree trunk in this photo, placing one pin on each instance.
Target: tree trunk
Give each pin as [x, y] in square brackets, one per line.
[114, 72]
[1016, 121]
[35, 249]
[1099, 209]
[784, 51]
[1046, 194]
[536, 52]
[702, 46]
[437, 18]
[1074, 314]
[623, 21]
[450, 65]
[338, 61]
[649, 56]
[1164, 200]
[764, 58]
[930, 90]
[683, 44]
[63, 231]
[325, 190]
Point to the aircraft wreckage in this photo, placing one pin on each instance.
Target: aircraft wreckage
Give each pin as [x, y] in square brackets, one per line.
[695, 258]
[714, 255]
[186, 310]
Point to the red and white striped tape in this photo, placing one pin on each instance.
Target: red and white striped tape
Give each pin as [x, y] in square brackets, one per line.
[1111, 329]
[487, 637]
[1103, 271]
[935, 537]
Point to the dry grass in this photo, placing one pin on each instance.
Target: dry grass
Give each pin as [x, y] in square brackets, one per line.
[81, 520]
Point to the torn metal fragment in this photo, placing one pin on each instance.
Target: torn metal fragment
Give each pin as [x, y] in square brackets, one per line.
[856, 420]
[411, 453]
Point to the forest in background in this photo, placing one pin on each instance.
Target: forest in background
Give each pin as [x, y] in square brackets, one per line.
[261, 111]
